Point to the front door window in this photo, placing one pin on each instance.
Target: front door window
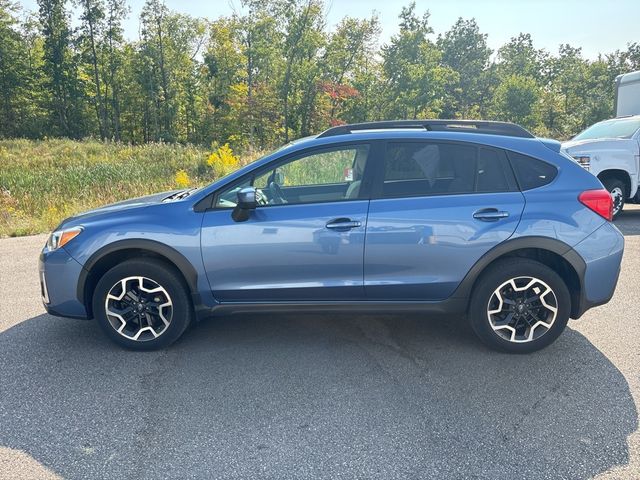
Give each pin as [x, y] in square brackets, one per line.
[321, 176]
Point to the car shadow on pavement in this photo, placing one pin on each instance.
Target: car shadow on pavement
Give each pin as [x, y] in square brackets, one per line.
[310, 396]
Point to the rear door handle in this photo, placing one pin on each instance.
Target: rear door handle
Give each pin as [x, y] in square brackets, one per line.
[490, 214]
[342, 224]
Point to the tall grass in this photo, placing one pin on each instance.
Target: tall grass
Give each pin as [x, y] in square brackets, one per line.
[44, 181]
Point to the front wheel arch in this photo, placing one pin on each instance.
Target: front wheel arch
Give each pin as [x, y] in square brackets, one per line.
[107, 257]
[617, 174]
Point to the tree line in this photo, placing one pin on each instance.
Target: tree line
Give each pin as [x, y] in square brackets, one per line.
[276, 71]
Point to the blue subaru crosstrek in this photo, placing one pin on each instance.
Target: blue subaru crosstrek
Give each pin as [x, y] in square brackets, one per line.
[436, 216]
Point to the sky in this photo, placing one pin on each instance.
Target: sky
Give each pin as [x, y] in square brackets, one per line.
[597, 26]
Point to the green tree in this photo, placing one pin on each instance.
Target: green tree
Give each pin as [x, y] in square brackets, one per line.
[573, 92]
[274, 71]
[117, 11]
[464, 50]
[33, 100]
[369, 82]
[515, 101]
[90, 41]
[415, 80]
[520, 57]
[261, 44]
[223, 59]
[346, 53]
[632, 56]
[302, 28]
[60, 67]
[168, 72]
[13, 70]
[159, 111]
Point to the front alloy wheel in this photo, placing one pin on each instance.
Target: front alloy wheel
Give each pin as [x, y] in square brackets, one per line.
[138, 308]
[618, 192]
[617, 196]
[143, 304]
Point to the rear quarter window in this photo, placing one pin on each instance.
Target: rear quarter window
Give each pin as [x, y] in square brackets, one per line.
[531, 172]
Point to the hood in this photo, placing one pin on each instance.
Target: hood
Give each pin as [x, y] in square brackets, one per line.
[596, 144]
[139, 202]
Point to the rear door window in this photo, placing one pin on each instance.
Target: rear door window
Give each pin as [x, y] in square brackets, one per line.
[493, 172]
[433, 168]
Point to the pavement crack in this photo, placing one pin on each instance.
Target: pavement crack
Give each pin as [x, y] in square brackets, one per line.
[378, 334]
[149, 383]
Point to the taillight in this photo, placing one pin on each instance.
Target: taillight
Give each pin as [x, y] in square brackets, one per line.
[599, 201]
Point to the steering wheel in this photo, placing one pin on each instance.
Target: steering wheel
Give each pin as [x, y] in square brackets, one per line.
[276, 193]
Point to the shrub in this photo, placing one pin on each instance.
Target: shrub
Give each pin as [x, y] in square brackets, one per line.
[182, 179]
[223, 161]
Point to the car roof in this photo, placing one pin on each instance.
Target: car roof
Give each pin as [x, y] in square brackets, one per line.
[530, 145]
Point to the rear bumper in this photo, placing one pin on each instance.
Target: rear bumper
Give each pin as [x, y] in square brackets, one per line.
[602, 255]
[59, 274]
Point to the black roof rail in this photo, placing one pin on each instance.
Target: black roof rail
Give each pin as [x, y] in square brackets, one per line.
[469, 126]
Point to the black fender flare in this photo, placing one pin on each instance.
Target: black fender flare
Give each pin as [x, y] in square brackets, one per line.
[558, 247]
[172, 255]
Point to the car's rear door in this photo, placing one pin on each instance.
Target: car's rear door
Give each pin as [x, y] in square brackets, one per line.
[437, 207]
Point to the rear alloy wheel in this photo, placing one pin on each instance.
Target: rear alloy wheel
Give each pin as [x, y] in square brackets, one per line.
[519, 306]
[142, 305]
[618, 193]
[522, 309]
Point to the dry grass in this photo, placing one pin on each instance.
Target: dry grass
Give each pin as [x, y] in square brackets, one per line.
[42, 182]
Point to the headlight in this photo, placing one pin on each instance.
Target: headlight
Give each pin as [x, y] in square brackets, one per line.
[60, 238]
[583, 160]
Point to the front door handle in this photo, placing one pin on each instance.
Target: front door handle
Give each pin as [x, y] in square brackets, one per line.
[490, 214]
[342, 224]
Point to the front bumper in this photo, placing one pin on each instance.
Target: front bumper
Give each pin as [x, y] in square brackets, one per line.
[59, 274]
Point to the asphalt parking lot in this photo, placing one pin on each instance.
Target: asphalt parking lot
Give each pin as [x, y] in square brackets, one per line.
[316, 396]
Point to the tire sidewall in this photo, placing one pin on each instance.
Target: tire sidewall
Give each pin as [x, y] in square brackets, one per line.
[164, 276]
[496, 276]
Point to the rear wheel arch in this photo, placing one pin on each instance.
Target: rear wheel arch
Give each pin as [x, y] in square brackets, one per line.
[553, 253]
[109, 256]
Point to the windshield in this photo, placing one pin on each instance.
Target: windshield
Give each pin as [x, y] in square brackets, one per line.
[618, 128]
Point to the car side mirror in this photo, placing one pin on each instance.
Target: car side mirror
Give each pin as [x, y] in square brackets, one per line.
[247, 198]
[247, 201]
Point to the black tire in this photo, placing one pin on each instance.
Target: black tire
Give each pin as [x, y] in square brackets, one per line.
[166, 277]
[614, 185]
[495, 276]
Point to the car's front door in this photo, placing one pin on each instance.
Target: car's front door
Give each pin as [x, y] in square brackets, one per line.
[437, 207]
[304, 242]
